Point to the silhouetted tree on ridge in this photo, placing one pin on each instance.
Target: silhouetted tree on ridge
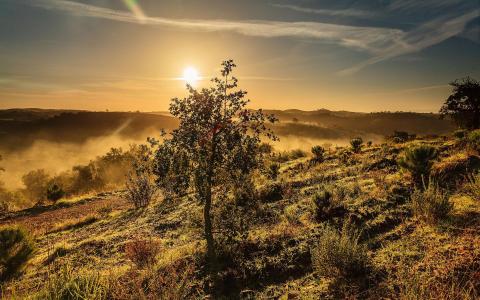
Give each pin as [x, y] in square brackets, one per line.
[463, 105]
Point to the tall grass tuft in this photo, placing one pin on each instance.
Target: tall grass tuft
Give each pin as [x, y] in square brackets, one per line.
[70, 284]
[339, 254]
[472, 187]
[430, 204]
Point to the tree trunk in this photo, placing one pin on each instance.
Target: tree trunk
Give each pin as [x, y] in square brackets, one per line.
[207, 220]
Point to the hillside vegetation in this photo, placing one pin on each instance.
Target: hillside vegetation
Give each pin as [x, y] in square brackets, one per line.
[333, 224]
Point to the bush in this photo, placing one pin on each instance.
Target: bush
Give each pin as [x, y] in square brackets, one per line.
[55, 193]
[356, 144]
[460, 134]
[36, 183]
[142, 252]
[273, 170]
[340, 255]
[326, 207]
[418, 160]
[271, 192]
[473, 139]
[297, 153]
[17, 247]
[71, 284]
[318, 153]
[430, 204]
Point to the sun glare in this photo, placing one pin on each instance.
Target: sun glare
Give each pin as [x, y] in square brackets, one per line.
[190, 76]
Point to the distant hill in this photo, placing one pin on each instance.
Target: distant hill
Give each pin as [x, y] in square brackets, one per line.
[381, 123]
[19, 128]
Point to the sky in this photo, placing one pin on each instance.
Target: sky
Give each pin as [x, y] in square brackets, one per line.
[128, 55]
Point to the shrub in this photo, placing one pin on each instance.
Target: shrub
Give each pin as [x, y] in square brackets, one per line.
[460, 134]
[326, 207]
[36, 183]
[71, 284]
[141, 188]
[356, 144]
[142, 252]
[270, 192]
[318, 153]
[297, 153]
[273, 170]
[473, 139]
[55, 193]
[17, 247]
[369, 144]
[340, 255]
[418, 160]
[430, 204]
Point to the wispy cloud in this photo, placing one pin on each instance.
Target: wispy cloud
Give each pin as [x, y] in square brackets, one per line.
[422, 37]
[328, 12]
[409, 5]
[365, 38]
[382, 43]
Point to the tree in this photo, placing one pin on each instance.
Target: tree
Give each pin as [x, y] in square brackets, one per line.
[217, 141]
[463, 105]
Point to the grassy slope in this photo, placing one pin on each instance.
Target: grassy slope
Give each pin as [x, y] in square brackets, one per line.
[91, 233]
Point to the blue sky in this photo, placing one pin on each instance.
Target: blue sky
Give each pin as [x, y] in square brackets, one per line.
[341, 55]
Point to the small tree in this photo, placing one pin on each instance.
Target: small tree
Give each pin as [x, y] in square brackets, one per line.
[218, 139]
[463, 105]
[356, 144]
[418, 161]
[318, 153]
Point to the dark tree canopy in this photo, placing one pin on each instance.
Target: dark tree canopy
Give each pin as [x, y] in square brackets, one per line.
[463, 105]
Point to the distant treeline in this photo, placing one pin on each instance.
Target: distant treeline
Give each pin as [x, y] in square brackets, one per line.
[20, 128]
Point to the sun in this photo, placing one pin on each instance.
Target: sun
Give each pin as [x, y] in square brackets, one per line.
[190, 76]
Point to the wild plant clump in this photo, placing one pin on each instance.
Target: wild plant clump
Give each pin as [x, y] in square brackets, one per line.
[75, 284]
[55, 193]
[356, 144]
[473, 139]
[472, 187]
[418, 160]
[17, 247]
[339, 254]
[140, 183]
[273, 170]
[430, 204]
[142, 252]
[318, 153]
[325, 206]
[271, 192]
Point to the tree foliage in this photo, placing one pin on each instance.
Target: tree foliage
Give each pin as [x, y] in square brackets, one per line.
[216, 143]
[463, 105]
